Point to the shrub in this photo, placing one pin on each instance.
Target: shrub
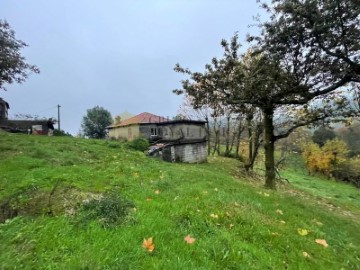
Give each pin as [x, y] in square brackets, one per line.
[324, 159]
[110, 210]
[348, 171]
[61, 133]
[139, 144]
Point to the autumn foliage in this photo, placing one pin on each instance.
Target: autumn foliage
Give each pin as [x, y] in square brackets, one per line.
[324, 159]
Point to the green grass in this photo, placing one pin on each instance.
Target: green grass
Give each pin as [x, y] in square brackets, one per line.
[44, 177]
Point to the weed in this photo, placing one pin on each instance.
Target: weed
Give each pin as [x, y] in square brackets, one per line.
[139, 144]
[109, 210]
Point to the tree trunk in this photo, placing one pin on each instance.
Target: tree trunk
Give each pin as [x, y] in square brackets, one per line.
[269, 148]
[238, 138]
[250, 139]
[227, 137]
[208, 135]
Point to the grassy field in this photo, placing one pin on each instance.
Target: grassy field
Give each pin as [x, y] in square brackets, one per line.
[59, 197]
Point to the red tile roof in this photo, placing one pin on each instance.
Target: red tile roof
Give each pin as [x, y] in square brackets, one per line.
[142, 118]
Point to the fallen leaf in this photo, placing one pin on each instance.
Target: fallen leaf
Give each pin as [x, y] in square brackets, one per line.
[306, 255]
[231, 225]
[157, 192]
[275, 234]
[266, 194]
[236, 204]
[303, 232]
[214, 216]
[282, 222]
[148, 244]
[148, 199]
[322, 242]
[189, 240]
[215, 189]
[280, 212]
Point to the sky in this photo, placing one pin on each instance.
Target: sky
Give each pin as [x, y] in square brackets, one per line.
[117, 54]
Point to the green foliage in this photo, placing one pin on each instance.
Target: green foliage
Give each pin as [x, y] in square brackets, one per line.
[323, 134]
[109, 210]
[348, 171]
[233, 219]
[139, 144]
[95, 121]
[13, 67]
[61, 133]
[351, 135]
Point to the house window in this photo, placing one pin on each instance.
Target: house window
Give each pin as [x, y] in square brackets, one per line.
[154, 131]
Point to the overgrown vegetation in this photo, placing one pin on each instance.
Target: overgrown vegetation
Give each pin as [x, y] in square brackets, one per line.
[139, 144]
[234, 221]
[109, 210]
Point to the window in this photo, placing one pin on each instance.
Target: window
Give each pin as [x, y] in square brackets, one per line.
[153, 132]
[129, 133]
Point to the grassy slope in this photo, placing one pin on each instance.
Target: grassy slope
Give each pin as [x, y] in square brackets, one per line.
[249, 233]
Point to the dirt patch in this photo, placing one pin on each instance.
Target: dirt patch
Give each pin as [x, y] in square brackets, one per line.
[33, 201]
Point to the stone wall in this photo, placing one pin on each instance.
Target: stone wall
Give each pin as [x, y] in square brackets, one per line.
[191, 131]
[23, 125]
[187, 152]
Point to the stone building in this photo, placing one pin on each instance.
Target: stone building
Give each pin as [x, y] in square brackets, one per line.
[142, 125]
[4, 107]
[173, 140]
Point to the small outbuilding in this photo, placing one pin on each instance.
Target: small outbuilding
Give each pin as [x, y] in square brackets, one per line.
[181, 141]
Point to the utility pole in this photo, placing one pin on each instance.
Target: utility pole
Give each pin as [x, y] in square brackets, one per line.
[58, 106]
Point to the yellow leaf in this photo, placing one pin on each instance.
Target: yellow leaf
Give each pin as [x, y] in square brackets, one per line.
[157, 192]
[282, 222]
[322, 242]
[189, 240]
[230, 226]
[214, 216]
[148, 244]
[303, 232]
[306, 255]
[280, 212]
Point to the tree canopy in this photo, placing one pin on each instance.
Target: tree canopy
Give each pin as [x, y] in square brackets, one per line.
[295, 68]
[13, 66]
[95, 121]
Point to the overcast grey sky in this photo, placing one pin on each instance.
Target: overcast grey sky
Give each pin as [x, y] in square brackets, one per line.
[117, 54]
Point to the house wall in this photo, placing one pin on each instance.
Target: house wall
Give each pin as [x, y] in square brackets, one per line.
[146, 130]
[3, 110]
[188, 153]
[186, 131]
[127, 132]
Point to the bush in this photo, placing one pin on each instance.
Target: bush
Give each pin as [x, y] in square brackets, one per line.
[139, 144]
[110, 210]
[322, 135]
[61, 133]
[348, 171]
